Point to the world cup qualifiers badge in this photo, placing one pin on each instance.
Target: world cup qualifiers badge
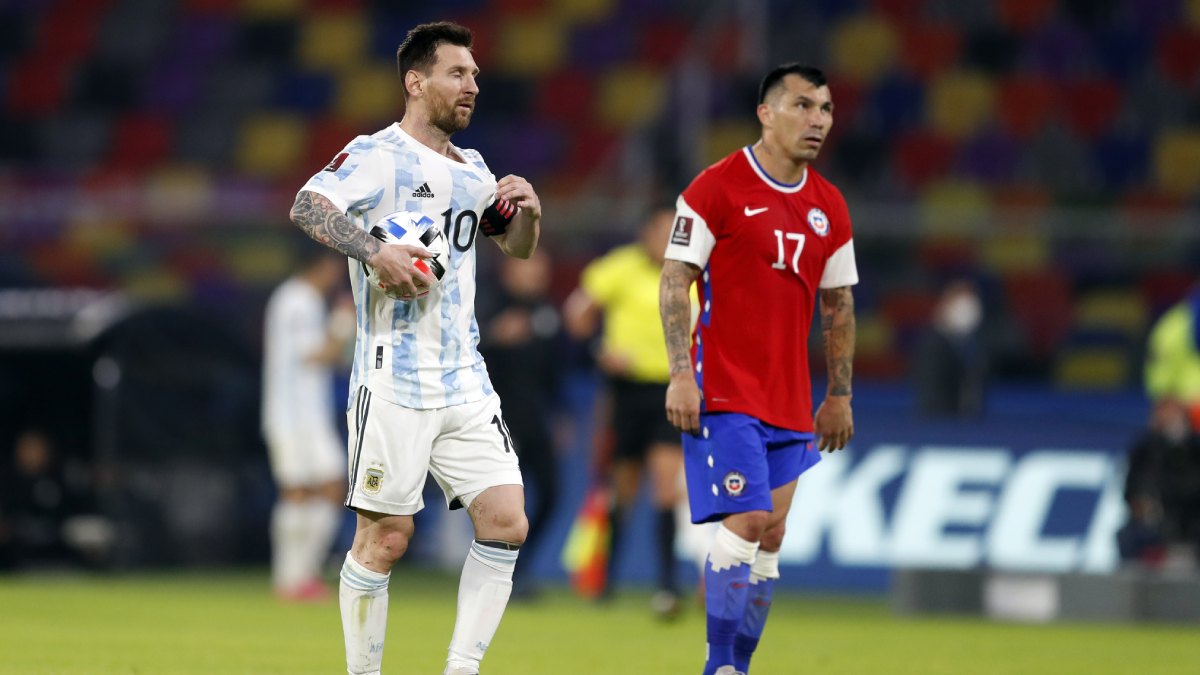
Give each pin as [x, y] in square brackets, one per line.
[373, 482]
[735, 483]
[818, 221]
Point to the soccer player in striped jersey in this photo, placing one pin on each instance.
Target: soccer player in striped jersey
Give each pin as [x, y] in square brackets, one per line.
[764, 236]
[421, 400]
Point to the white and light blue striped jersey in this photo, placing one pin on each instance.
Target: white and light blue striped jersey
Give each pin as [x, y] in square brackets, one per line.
[418, 353]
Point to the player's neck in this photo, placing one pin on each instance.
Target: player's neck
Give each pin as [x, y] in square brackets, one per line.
[778, 164]
[428, 135]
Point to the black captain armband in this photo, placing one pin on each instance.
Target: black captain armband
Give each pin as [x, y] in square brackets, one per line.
[496, 217]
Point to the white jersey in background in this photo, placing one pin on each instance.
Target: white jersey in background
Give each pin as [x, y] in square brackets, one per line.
[297, 392]
[419, 353]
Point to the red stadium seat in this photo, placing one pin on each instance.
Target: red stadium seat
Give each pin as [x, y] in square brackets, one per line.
[1090, 106]
[662, 42]
[326, 138]
[566, 96]
[140, 142]
[1026, 105]
[1041, 304]
[923, 156]
[36, 87]
[1179, 55]
[1024, 15]
[930, 48]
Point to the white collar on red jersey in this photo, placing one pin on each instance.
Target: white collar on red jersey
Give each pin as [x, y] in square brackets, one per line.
[782, 187]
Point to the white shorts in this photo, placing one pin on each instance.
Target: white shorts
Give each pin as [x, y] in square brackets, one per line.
[467, 449]
[306, 458]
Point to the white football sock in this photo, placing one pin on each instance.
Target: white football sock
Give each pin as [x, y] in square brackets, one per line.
[289, 539]
[483, 594]
[766, 566]
[324, 517]
[363, 596]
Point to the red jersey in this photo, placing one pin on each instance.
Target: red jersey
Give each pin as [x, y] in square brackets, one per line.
[765, 248]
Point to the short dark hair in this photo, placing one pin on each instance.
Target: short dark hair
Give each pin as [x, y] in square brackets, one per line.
[419, 49]
[774, 78]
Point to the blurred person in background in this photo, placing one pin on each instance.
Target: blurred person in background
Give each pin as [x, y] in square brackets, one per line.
[950, 364]
[43, 503]
[302, 344]
[621, 288]
[1173, 356]
[1162, 489]
[521, 340]
[764, 236]
[422, 401]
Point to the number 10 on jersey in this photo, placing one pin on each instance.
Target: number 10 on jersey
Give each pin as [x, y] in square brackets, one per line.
[780, 237]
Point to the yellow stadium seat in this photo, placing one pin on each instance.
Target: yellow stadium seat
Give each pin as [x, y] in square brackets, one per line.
[1176, 167]
[631, 96]
[954, 207]
[177, 193]
[1118, 310]
[1012, 251]
[260, 260]
[873, 334]
[864, 47]
[271, 144]
[154, 284]
[272, 9]
[1193, 12]
[332, 41]
[581, 11]
[961, 103]
[370, 95]
[101, 238]
[726, 136]
[1104, 368]
[531, 45]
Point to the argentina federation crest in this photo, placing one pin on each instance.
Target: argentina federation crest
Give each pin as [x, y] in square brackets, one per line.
[373, 481]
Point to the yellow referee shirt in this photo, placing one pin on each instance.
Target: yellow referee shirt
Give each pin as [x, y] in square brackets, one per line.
[625, 283]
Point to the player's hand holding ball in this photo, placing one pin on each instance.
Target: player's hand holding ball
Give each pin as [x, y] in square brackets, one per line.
[413, 258]
[396, 272]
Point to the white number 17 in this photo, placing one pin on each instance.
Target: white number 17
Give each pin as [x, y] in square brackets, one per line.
[791, 236]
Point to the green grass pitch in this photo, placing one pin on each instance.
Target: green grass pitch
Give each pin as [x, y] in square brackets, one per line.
[229, 624]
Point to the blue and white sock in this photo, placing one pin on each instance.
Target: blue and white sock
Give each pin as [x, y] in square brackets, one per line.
[726, 582]
[763, 574]
[363, 596]
[483, 592]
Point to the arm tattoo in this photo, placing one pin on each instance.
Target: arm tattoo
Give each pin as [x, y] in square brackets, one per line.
[837, 329]
[326, 223]
[675, 308]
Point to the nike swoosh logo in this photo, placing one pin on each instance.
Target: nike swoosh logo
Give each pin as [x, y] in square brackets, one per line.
[755, 212]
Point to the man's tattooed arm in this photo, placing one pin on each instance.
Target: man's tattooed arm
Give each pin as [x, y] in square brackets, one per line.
[326, 223]
[674, 304]
[837, 329]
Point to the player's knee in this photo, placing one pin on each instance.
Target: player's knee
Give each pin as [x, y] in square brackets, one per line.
[772, 538]
[390, 544]
[510, 526]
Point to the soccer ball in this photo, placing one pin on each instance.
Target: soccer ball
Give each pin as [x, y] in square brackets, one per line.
[412, 229]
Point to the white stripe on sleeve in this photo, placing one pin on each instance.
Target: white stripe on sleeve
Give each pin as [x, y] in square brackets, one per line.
[840, 268]
[691, 241]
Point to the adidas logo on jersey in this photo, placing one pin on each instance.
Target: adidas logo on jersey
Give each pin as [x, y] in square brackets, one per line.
[423, 191]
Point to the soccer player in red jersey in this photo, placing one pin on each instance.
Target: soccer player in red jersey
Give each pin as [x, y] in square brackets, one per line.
[763, 236]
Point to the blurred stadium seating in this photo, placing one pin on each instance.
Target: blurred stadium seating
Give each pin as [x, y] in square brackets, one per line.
[1046, 148]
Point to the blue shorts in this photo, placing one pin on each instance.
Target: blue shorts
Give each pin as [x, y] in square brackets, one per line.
[736, 460]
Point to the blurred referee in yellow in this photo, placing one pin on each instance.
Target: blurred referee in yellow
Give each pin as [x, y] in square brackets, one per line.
[621, 288]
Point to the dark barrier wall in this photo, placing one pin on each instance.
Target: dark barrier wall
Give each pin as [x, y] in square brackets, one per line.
[1035, 485]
